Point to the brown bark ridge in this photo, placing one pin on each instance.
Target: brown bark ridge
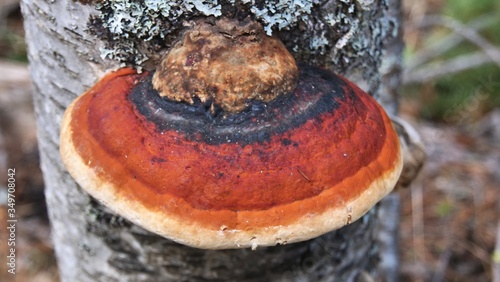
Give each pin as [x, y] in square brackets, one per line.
[92, 244]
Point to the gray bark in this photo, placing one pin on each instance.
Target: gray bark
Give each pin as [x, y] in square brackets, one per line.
[92, 244]
[389, 213]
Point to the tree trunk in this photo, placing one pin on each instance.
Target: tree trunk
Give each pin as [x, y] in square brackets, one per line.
[93, 244]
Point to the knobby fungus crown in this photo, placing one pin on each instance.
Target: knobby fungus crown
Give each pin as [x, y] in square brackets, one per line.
[278, 168]
[227, 63]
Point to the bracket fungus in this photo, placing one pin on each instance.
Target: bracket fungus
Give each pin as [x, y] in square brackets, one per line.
[230, 145]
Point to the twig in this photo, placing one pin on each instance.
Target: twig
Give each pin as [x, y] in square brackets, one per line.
[303, 174]
[455, 65]
[468, 33]
[489, 53]
[438, 48]
[478, 252]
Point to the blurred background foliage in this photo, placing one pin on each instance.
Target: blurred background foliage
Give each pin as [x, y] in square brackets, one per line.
[12, 46]
[449, 97]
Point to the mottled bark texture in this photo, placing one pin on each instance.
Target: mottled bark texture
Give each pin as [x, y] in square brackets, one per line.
[391, 77]
[92, 244]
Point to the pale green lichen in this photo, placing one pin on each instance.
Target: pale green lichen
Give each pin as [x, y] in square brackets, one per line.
[366, 4]
[341, 34]
[126, 24]
[281, 13]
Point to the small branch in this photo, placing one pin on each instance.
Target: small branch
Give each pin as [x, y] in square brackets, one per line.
[468, 33]
[490, 53]
[432, 51]
[455, 65]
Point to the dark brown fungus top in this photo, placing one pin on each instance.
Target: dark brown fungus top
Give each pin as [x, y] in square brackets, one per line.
[227, 63]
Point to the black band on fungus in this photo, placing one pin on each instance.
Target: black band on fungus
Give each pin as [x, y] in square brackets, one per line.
[318, 91]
